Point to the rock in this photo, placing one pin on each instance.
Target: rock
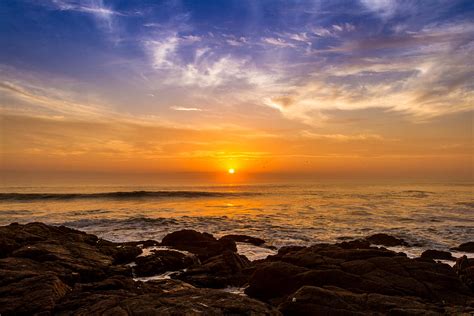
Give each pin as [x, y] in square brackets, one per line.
[370, 271]
[355, 244]
[204, 245]
[274, 280]
[120, 296]
[465, 247]
[310, 300]
[27, 293]
[226, 269]
[437, 254]
[386, 240]
[73, 256]
[464, 267]
[245, 239]
[121, 253]
[161, 261]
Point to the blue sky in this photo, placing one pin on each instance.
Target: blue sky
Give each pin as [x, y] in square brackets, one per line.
[271, 67]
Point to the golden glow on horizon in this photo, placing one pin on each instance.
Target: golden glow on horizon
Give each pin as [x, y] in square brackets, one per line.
[231, 170]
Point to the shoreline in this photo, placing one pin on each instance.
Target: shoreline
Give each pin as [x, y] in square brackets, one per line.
[55, 270]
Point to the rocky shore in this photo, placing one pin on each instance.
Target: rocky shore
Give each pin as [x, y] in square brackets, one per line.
[55, 270]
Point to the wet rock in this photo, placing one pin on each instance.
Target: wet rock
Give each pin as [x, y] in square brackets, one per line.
[370, 271]
[310, 300]
[121, 253]
[72, 255]
[464, 267]
[27, 293]
[245, 239]
[226, 269]
[161, 261]
[204, 245]
[386, 240]
[437, 254]
[142, 243]
[465, 247]
[166, 297]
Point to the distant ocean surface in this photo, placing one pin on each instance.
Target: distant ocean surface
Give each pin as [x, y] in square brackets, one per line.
[430, 216]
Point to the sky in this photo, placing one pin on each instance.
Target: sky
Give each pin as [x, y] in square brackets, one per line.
[291, 89]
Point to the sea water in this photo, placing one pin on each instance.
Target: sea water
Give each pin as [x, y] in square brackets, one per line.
[428, 216]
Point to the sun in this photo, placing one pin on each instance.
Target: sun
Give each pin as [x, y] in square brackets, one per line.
[231, 170]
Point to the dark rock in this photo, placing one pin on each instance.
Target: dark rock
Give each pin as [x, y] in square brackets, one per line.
[220, 271]
[204, 245]
[310, 300]
[72, 255]
[27, 293]
[161, 261]
[142, 243]
[465, 247]
[121, 296]
[386, 240]
[245, 239]
[371, 271]
[121, 253]
[437, 254]
[273, 280]
[355, 244]
[464, 267]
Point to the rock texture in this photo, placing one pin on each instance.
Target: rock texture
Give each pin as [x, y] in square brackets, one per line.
[226, 269]
[162, 261]
[46, 270]
[330, 279]
[204, 245]
[122, 296]
[51, 270]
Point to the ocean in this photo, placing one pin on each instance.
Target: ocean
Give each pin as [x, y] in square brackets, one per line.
[428, 216]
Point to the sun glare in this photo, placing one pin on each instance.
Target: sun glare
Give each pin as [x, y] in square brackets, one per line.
[231, 170]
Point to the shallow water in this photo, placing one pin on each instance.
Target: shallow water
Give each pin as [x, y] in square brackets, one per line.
[436, 216]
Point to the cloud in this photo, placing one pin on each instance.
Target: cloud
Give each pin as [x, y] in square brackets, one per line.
[277, 42]
[341, 137]
[186, 109]
[383, 8]
[208, 68]
[163, 52]
[103, 15]
[95, 7]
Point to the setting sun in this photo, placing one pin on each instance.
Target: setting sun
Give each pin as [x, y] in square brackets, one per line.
[231, 171]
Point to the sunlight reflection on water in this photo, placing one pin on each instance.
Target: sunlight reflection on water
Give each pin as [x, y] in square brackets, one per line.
[433, 216]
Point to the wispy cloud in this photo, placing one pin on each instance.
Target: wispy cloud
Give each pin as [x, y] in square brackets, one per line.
[105, 16]
[277, 42]
[185, 109]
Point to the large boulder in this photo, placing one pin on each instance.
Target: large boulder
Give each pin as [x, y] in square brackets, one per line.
[465, 247]
[310, 300]
[368, 270]
[162, 261]
[204, 245]
[386, 240]
[226, 269]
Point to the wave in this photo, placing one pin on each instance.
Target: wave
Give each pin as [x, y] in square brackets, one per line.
[121, 195]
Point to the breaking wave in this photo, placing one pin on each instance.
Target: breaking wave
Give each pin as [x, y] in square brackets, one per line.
[121, 195]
